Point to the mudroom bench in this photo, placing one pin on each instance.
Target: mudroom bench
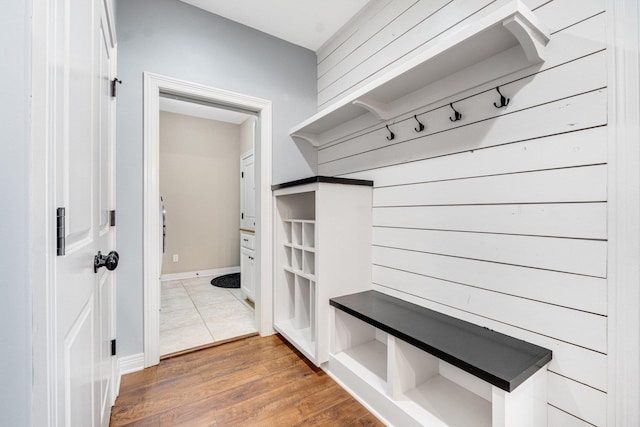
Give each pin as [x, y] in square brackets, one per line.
[414, 366]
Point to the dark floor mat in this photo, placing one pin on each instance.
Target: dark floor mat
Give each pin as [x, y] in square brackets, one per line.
[228, 281]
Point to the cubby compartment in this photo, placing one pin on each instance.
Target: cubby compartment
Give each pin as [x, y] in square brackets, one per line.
[302, 303]
[308, 234]
[297, 260]
[286, 287]
[288, 256]
[428, 388]
[286, 228]
[362, 348]
[296, 233]
[309, 263]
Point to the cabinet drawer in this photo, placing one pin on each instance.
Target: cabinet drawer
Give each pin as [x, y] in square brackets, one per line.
[247, 240]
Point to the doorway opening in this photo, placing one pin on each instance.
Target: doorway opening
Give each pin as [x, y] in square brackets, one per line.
[155, 88]
[205, 174]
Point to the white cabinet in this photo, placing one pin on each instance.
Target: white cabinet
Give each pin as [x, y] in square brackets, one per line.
[322, 250]
[247, 265]
[247, 192]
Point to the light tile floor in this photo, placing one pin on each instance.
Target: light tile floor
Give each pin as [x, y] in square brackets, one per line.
[194, 313]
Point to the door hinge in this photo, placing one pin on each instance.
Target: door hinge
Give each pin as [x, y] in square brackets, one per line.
[242, 215]
[112, 218]
[113, 86]
[60, 220]
[113, 347]
[241, 174]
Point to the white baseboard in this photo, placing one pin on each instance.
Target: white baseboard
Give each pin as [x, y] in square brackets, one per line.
[194, 274]
[127, 365]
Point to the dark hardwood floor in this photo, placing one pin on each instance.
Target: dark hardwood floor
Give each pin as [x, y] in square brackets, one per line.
[251, 382]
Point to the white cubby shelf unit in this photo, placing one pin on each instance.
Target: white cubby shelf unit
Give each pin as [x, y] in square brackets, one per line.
[482, 51]
[413, 366]
[322, 250]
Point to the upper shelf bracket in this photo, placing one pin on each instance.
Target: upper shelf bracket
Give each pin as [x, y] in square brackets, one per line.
[532, 39]
[307, 137]
[378, 109]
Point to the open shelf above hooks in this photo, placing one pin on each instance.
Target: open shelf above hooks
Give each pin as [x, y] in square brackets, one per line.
[511, 25]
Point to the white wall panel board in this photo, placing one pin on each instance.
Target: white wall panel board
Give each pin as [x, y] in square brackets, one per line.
[586, 147]
[578, 399]
[550, 85]
[567, 290]
[534, 4]
[575, 39]
[579, 184]
[355, 25]
[581, 364]
[558, 418]
[579, 112]
[432, 17]
[572, 326]
[559, 14]
[587, 257]
[577, 220]
[379, 17]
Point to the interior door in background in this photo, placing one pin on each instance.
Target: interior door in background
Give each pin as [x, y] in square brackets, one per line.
[247, 192]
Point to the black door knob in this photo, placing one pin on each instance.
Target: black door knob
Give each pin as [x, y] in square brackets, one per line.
[110, 261]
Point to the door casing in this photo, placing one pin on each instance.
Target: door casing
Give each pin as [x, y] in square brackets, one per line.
[154, 85]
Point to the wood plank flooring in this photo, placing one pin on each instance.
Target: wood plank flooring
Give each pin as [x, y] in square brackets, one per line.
[255, 381]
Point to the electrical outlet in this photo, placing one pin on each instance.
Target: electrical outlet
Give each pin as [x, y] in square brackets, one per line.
[175, 257]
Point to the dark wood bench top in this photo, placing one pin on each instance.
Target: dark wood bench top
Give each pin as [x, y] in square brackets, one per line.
[498, 359]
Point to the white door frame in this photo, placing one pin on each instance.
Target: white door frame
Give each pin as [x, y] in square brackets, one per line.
[154, 84]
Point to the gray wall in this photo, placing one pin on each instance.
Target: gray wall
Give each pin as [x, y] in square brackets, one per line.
[15, 304]
[174, 39]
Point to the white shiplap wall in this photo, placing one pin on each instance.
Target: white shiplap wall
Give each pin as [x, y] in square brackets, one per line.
[500, 218]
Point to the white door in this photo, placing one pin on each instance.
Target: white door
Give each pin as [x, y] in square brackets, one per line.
[84, 186]
[247, 192]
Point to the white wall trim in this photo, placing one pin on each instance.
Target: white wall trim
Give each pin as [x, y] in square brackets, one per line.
[624, 212]
[153, 85]
[44, 410]
[199, 273]
[127, 365]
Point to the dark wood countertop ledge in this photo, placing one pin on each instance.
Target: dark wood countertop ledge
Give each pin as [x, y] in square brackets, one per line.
[327, 179]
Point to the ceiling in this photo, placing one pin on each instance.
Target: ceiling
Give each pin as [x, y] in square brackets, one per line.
[306, 23]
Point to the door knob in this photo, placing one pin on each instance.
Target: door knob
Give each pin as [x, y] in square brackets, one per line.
[110, 261]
